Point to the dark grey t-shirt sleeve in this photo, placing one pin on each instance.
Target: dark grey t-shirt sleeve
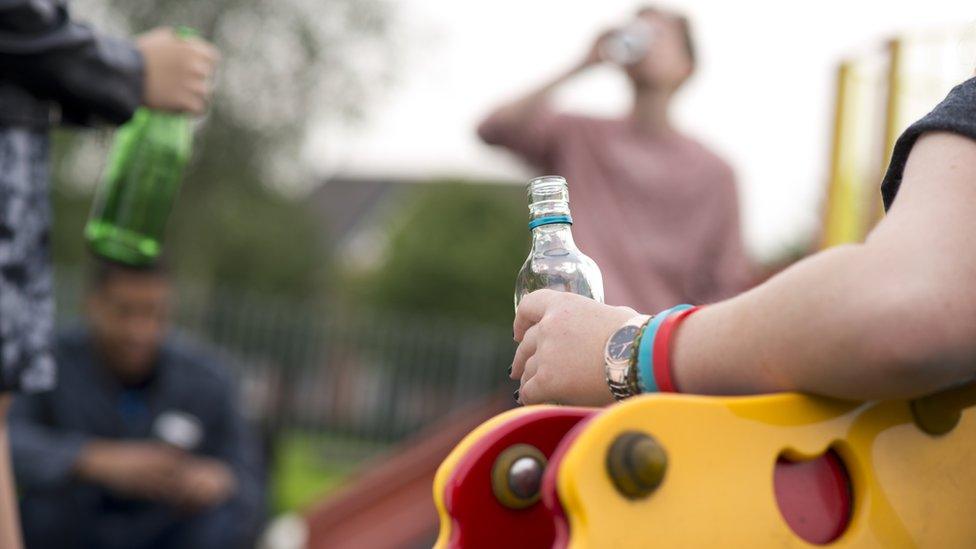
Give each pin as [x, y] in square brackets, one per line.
[957, 114]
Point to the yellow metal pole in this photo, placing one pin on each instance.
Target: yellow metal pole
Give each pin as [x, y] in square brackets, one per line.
[893, 120]
[836, 226]
[896, 52]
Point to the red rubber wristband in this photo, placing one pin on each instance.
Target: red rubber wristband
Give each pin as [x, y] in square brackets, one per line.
[662, 350]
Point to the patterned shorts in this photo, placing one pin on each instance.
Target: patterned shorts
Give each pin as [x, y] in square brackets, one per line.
[26, 302]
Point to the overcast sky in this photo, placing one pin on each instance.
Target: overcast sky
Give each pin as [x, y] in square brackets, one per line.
[762, 95]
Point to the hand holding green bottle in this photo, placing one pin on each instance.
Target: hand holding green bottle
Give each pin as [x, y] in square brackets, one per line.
[178, 69]
[150, 151]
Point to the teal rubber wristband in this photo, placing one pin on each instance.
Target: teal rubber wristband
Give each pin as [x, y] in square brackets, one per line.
[645, 355]
[549, 220]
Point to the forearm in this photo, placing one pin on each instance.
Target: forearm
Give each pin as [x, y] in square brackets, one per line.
[9, 521]
[92, 459]
[841, 323]
[894, 317]
[521, 110]
[98, 461]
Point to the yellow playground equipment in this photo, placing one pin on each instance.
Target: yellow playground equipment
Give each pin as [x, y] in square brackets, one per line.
[775, 470]
[691, 471]
[878, 95]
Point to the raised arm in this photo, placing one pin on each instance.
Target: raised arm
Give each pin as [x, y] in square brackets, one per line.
[516, 124]
[518, 113]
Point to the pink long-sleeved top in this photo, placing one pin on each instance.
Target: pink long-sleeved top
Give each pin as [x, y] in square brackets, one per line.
[659, 214]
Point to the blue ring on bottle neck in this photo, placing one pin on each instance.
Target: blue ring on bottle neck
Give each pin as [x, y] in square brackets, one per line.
[549, 220]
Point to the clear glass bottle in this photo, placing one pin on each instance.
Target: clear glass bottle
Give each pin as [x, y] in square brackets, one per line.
[554, 261]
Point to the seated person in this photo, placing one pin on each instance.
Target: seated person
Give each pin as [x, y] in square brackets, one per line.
[893, 317]
[141, 443]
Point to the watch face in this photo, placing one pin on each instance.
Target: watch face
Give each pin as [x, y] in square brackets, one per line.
[620, 345]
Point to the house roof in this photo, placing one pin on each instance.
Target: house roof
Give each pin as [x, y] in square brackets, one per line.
[342, 205]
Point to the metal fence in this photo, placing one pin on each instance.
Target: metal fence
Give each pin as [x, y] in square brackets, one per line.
[362, 379]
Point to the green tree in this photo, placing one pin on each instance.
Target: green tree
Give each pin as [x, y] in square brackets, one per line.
[455, 252]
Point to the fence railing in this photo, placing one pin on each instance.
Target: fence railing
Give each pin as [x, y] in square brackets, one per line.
[367, 378]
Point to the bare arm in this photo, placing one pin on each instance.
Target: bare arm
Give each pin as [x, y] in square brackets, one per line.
[893, 317]
[519, 113]
[9, 521]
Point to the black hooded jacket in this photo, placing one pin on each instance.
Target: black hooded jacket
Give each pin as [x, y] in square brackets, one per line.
[54, 70]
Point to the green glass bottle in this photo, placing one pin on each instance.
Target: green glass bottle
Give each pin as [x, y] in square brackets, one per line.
[142, 180]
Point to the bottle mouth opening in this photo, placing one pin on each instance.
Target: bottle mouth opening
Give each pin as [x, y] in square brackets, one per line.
[547, 188]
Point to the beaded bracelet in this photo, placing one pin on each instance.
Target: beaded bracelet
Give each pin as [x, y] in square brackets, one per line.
[634, 377]
[645, 355]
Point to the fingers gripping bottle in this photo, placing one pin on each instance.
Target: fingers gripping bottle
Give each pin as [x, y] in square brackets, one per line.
[142, 180]
[554, 261]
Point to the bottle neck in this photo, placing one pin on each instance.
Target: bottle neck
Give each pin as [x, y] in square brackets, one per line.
[549, 217]
[549, 208]
[553, 235]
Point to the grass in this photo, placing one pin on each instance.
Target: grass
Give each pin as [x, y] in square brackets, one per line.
[310, 466]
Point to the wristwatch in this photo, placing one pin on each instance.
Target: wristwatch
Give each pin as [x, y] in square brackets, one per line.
[618, 357]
